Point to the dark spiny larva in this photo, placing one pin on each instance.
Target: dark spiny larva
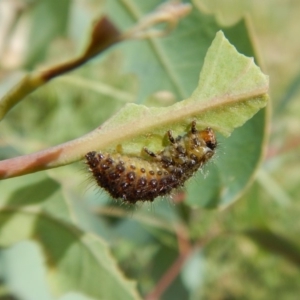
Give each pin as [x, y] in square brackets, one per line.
[135, 179]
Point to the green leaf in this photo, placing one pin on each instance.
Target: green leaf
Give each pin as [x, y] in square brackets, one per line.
[226, 97]
[37, 191]
[226, 13]
[33, 193]
[171, 63]
[52, 17]
[77, 261]
[275, 243]
[33, 208]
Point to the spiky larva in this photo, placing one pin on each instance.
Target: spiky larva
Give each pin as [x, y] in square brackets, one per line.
[135, 179]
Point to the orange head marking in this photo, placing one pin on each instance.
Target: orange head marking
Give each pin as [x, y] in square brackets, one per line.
[209, 137]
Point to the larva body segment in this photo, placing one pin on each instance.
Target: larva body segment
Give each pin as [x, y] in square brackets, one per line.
[135, 179]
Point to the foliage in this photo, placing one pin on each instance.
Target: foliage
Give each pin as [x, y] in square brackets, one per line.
[61, 232]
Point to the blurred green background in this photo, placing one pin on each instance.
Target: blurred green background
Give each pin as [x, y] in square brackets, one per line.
[246, 249]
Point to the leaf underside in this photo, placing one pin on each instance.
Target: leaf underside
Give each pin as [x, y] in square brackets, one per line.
[230, 91]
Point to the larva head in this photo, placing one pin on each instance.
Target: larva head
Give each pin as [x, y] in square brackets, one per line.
[209, 137]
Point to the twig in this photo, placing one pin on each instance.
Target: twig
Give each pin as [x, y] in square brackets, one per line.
[170, 275]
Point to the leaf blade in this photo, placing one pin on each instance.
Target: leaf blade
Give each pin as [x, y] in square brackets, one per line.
[76, 260]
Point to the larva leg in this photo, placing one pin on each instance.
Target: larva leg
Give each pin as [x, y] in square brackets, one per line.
[193, 129]
[178, 147]
[170, 136]
[152, 154]
[194, 137]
